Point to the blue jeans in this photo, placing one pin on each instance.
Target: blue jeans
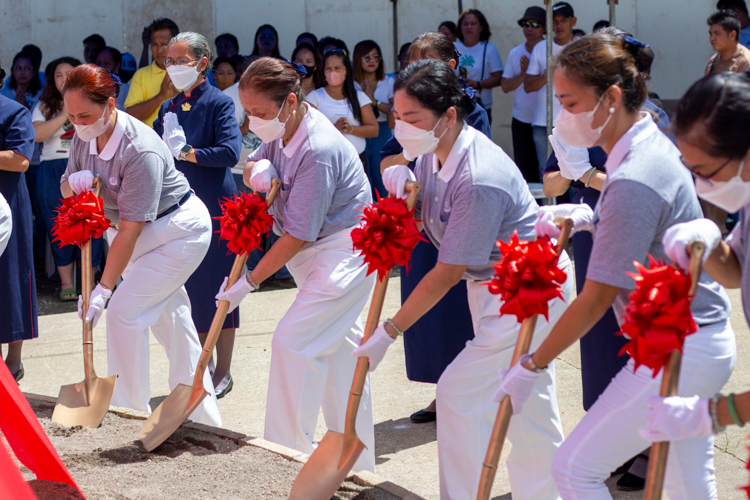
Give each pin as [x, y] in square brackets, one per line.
[372, 151]
[540, 143]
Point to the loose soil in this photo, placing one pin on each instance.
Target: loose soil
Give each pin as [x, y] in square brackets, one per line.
[108, 465]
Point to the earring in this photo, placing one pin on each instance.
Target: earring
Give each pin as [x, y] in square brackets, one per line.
[611, 111]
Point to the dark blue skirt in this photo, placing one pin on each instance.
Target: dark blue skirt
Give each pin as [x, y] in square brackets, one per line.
[17, 280]
[372, 151]
[437, 337]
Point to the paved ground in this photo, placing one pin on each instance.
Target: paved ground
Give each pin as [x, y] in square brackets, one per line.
[406, 453]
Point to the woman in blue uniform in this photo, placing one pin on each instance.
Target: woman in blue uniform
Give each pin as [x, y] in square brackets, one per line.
[200, 128]
[438, 336]
[17, 281]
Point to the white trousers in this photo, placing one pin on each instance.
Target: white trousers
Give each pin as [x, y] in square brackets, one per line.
[152, 295]
[608, 435]
[6, 223]
[311, 361]
[466, 413]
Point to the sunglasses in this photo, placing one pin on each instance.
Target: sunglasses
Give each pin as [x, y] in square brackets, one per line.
[375, 58]
[705, 178]
[340, 52]
[530, 24]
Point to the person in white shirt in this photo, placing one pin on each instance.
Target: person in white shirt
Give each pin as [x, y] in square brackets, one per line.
[533, 23]
[347, 108]
[739, 7]
[536, 76]
[480, 63]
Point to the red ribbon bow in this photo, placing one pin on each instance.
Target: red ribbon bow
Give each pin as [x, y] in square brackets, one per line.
[658, 317]
[244, 221]
[386, 235]
[527, 277]
[79, 218]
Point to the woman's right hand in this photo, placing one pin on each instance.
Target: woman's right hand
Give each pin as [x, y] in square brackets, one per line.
[394, 179]
[580, 213]
[81, 181]
[262, 175]
[342, 124]
[235, 293]
[677, 238]
[675, 418]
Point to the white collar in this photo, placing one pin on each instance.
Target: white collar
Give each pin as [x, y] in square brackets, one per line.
[299, 136]
[464, 139]
[643, 129]
[114, 140]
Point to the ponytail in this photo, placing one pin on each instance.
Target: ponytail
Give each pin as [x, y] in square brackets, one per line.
[435, 85]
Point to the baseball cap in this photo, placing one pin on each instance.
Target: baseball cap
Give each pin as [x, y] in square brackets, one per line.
[563, 8]
[534, 14]
[128, 62]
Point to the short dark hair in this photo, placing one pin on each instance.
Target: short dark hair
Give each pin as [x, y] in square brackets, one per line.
[403, 49]
[600, 25]
[116, 54]
[329, 40]
[728, 20]
[230, 37]
[33, 49]
[732, 4]
[95, 38]
[232, 61]
[307, 34]
[450, 25]
[713, 115]
[164, 23]
[486, 33]
[436, 86]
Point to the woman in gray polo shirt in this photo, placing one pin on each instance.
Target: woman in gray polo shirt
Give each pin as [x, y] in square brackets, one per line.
[323, 189]
[472, 195]
[647, 190]
[160, 235]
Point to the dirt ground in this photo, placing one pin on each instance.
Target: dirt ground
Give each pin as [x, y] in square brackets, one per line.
[108, 465]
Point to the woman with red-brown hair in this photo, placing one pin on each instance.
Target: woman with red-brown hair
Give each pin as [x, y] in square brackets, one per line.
[160, 235]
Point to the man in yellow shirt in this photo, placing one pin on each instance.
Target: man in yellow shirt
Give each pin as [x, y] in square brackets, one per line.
[151, 85]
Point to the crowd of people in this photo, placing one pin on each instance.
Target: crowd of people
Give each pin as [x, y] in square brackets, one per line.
[165, 133]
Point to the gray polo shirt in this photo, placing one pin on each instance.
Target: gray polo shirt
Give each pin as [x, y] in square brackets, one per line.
[738, 240]
[323, 182]
[647, 190]
[476, 198]
[140, 180]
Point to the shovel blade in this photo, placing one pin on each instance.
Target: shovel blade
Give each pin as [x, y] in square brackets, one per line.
[322, 474]
[72, 408]
[168, 416]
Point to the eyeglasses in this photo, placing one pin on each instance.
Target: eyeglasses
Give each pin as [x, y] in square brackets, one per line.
[340, 52]
[530, 24]
[375, 58]
[706, 178]
[179, 62]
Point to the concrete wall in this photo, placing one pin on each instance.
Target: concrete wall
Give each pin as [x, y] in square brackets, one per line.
[676, 29]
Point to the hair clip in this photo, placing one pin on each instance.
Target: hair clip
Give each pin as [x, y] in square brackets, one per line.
[115, 78]
[456, 53]
[633, 42]
[467, 90]
[301, 71]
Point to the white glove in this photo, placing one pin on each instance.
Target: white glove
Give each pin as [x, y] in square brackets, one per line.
[235, 294]
[675, 418]
[263, 173]
[81, 181]
[517, 382]
[395, 177]
[375, 347]
[174, 134]
[573, 162]
[98, 300]
[677, 238]
[581, 214]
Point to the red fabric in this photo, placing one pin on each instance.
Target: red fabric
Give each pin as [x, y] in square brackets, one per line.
[527, 277]
[658, 317]
[244, 221]
[12, 483]
[26, 437]
[386, 235]
[79, 218]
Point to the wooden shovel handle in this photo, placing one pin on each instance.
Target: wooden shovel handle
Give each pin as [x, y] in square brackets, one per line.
[275, 187]
[413, 188]
[657, 463]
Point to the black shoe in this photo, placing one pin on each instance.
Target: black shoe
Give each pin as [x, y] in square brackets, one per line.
[623, 468]
[630, 482]
[423, 416]
[220, 394]
[19, 374]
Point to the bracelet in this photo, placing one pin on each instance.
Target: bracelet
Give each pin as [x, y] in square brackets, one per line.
[529, 358]
[588, 179]
[479, 85]
[390, 322]
[251, 281]
[733, 411]
[712, 406]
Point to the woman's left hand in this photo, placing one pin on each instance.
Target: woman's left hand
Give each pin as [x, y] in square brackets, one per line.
[375, 347]
[675, 418]
[518, 383]
[174, 134]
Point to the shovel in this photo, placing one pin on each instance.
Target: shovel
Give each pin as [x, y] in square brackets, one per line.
[502, 421]
[86, 403]
[657, 463]
[184, 399]
[336, 453]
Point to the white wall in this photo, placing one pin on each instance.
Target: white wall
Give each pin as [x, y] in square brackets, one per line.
[676, 29]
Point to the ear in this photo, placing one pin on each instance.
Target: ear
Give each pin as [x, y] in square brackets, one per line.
[452, 63]
[292, 98]
[575, 21]
[613, 97]
[451, 116]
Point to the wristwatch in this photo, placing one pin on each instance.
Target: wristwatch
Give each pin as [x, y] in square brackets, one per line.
[184, 151]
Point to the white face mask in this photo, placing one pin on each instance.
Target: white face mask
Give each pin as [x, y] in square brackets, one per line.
[269, 130]
[577, 129]
[728, 195]
[417, 141]
[90, 132]
[183, 77]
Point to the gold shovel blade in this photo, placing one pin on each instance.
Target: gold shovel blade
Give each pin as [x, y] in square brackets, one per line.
[168, 416]
[72, 408]
[322, 475]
